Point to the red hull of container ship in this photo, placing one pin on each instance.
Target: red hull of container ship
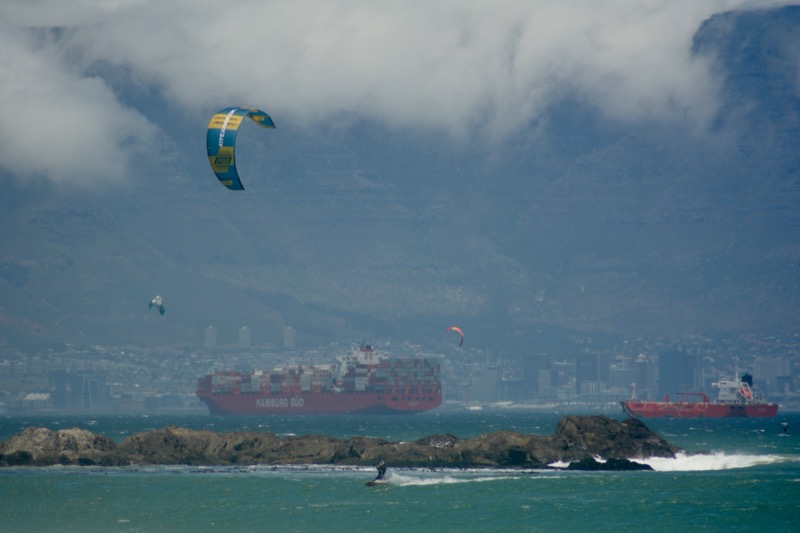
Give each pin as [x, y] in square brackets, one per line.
[652, 409]
[321, 403]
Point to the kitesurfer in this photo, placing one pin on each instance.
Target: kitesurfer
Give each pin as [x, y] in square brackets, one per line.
[381, 466]
[158, 303]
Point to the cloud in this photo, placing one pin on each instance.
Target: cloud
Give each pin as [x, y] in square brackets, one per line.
[456, 66]
[60, 124]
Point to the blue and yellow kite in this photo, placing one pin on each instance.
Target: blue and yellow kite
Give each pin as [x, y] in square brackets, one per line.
[221, 139]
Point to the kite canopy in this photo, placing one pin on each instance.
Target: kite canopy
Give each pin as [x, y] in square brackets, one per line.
[221, 141]
[158, 303]
[457, 330]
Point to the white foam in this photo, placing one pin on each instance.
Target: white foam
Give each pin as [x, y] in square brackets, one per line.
[713, 461]
[404, 480]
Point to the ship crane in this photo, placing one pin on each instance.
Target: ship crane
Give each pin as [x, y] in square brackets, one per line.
[700, 395]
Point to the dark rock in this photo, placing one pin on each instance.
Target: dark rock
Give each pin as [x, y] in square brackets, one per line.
[517, 456]
[576, 438]
[17, 458]
[589, 463]
[625, 464]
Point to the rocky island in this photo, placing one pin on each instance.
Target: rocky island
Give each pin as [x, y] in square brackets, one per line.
[577, 440]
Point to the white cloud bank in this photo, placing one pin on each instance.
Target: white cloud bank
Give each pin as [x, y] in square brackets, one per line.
[59, 124]
[446, 65]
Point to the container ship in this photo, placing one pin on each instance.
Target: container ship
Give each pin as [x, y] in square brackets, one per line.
[735, 398]
[364, 381]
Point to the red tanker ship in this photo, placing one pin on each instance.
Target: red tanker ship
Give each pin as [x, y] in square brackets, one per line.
[365, 381]
[735, 398]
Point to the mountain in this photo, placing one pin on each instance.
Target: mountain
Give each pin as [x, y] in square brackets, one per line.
[592, 227]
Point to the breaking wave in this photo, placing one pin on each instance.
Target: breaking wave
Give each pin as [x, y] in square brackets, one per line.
[713, 461]
[684, 462]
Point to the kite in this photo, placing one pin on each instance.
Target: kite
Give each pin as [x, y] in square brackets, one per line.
[158, 303]
[221, 141]
[457, 330]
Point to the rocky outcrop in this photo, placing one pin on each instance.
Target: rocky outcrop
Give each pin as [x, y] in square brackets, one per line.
[577, 438]
[41, 446]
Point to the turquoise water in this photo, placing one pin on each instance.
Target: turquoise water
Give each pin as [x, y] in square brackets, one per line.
[749, 480]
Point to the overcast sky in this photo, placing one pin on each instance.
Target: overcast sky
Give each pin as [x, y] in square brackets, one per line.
[439, 65]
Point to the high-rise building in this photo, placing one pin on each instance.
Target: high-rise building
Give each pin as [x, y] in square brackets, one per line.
[646, 377]
[768, 370]
[289, 337]
[586, 371]
[678, 371]
[211, 337]
[244, 337]
[78, 390]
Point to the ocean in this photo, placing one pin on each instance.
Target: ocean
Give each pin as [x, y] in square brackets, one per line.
[747, 478]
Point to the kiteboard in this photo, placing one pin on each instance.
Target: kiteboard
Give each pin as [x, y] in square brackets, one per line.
[375, 482]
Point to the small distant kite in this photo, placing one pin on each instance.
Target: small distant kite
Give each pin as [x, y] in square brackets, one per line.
[158, 303]
[457, 330]
[221, 140]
